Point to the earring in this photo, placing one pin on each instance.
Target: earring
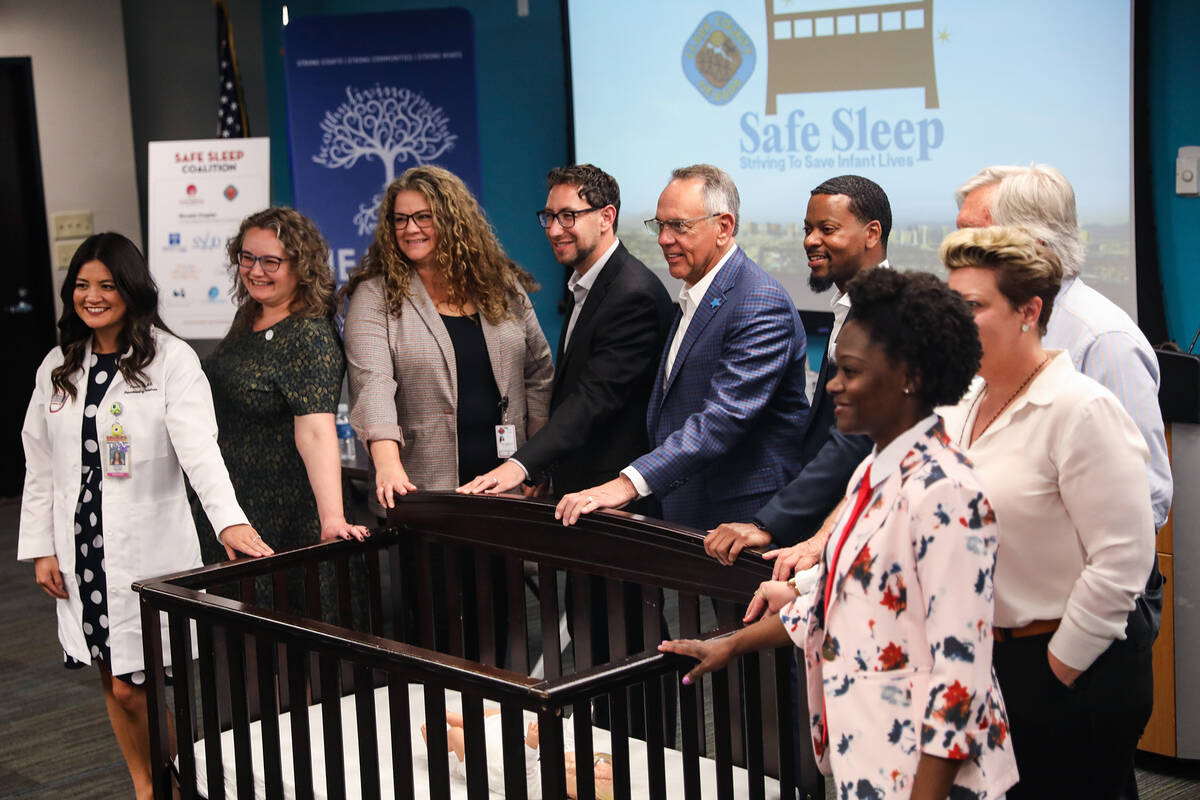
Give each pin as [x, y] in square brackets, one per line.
[907, 390]
[1024, 327]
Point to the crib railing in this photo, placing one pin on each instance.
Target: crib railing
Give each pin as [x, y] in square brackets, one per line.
[440, 599]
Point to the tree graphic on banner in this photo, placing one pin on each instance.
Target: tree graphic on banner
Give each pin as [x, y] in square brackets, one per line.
[393, 125]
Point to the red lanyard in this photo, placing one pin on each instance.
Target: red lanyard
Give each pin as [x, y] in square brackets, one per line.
[860, 502]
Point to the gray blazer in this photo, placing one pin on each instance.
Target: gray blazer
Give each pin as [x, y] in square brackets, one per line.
[404, 384]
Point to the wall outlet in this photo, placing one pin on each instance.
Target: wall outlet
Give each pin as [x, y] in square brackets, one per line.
[72, 224]
[64, 249]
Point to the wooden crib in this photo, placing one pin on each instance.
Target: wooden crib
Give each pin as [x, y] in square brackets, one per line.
[408, 623]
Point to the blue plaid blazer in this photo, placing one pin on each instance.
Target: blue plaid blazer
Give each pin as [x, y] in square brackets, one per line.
[726, 425]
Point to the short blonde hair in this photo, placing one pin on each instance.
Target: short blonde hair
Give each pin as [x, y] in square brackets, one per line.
[1025, 266]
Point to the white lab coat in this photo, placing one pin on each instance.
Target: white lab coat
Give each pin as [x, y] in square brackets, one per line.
[148, 528]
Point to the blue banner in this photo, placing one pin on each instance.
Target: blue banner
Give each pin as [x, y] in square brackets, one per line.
[370, 95]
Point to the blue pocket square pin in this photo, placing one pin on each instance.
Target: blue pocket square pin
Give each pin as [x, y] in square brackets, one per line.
[716, 302]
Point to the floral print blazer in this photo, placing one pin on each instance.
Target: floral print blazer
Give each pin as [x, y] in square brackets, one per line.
[903, 665]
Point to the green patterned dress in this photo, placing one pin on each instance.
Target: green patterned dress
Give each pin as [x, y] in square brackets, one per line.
[261, 381]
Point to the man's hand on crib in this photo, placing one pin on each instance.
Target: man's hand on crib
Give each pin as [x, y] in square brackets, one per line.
[614, 494]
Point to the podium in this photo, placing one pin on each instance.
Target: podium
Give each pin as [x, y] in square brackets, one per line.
[1174, 727]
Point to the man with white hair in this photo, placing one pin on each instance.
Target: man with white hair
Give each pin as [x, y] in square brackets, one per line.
[1104, 343]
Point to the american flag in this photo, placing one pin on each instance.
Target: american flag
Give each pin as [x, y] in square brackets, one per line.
[231, 111]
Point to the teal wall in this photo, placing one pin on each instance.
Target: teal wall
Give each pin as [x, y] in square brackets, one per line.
[522, 118]
[1174, 99]
[522, 108]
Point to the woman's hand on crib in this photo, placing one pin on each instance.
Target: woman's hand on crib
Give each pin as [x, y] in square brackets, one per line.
[770, 597]
[713, 654]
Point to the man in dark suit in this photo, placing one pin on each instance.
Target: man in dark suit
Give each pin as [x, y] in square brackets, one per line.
[845, 231]
[728, 406]
[609, 348]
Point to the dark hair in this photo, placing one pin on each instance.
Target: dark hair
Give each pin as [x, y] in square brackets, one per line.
[469, 256]
[308, 256]
[595, 186]
[921, 321]
[140, 294]
[868, 201]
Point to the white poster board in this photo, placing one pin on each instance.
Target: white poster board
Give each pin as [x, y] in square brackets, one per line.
[200, 190]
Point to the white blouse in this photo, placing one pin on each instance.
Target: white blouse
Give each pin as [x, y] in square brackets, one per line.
[1065, 469]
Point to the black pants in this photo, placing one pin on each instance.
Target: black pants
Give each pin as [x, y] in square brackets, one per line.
[1077, 741]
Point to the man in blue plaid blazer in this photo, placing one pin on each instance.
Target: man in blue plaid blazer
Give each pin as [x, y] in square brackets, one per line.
[728, 409]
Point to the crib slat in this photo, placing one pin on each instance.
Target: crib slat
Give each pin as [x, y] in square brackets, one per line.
[512, 736]
[691, 734]
[331, 726]
[770, 712]
[405, 597]
[729, 616]
[784, 686]
[401, 722]
[455, 583]
[618, 646]
[518, 626]
[368, 743]
[312, 589]
[652, 688]
[185, 733]
[374, 593]
[269, 709]
[475, 746]
[425, 608]
[585, 770]
[235, 644]
[618, 717]
[212, 724]
[551, 642]
[485, 614]
[721, 734]
[344, 603]
[581, 618]
[689, 628]
[753, 710]
[297, 663]
[550, 742]
[156, 699]
[435, 742]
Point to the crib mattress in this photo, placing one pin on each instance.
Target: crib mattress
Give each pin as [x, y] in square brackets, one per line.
[458, 788]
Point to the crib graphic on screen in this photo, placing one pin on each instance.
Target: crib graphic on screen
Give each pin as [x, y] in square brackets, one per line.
[846, 45]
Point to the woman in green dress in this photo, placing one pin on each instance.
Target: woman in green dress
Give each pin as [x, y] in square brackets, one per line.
[276, 379]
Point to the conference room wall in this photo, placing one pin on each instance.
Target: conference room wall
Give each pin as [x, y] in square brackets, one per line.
[81, 92]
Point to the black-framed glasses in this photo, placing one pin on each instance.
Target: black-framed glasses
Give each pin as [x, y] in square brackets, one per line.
[424, 220]
[566, 218]
[675, 226]
[247, 260]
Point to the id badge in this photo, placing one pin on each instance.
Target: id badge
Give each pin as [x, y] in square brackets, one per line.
[506, 440]
[116, 456]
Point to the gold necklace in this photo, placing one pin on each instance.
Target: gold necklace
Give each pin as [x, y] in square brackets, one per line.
[1012, 397]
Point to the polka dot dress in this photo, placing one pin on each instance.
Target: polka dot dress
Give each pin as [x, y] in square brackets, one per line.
[89, 527]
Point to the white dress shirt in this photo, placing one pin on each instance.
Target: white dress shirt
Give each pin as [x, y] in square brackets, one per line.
[580, 285]
[1108, 347]
[840, 305]
[689, 301]
[1065, 470]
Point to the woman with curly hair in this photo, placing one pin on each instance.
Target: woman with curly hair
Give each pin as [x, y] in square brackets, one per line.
[449, 369]
[117, 410]
[276, 379]
[897, 630]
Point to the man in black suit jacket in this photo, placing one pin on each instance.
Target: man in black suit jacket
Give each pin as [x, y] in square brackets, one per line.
[845, 231]
[609, 349]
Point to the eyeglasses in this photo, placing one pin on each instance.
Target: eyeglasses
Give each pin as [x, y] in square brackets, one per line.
[247, 260]
[675, 226]
[424, 220]
[565, 218]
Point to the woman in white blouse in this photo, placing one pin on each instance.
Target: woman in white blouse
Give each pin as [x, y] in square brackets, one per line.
[1065, 469]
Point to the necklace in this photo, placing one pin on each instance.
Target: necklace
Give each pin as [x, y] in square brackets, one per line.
[1012, 397]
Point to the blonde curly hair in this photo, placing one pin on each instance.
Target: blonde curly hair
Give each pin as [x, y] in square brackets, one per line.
[308, 256]
[469, 257]
[1024, 264]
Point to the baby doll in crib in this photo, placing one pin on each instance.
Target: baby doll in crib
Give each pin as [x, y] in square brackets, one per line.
[456, 741]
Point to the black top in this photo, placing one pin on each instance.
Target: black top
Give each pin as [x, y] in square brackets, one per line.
[478, 398]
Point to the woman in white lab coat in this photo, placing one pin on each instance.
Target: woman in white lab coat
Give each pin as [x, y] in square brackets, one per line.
[116, 410]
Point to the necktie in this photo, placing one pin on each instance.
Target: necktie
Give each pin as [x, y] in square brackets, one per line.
[860, 502]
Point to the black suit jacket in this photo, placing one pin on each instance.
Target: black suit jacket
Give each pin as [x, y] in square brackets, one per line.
[603, 379]
[829, 459]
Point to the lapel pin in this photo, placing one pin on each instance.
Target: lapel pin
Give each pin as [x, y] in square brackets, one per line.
[716, 302]
[270, 334]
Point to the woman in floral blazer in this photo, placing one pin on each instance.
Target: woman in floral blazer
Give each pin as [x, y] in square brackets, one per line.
[897, 630]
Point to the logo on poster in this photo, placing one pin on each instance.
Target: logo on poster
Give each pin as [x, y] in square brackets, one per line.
[191, 196]
[718, 58]
[230, 192]
[180, 293]
[214, 294]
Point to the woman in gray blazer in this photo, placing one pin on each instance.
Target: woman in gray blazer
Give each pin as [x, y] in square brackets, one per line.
[449, 369]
